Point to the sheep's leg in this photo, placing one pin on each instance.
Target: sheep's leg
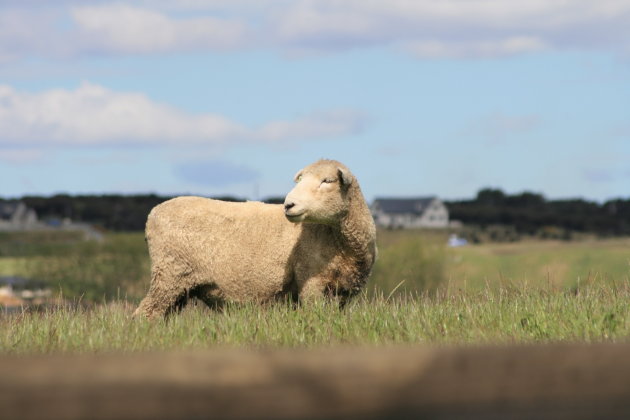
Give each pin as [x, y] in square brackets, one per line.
[164, 297]
[311, 290]
[161, 303]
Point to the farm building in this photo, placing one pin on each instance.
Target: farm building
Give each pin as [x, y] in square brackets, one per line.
[15, 215]
[406, 213]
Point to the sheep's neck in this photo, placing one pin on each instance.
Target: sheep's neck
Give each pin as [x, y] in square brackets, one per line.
[358, 239]
[357, 231]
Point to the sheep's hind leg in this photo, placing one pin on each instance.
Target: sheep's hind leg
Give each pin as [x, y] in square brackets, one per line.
[162, 299]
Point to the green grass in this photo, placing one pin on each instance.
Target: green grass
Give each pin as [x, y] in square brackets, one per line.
[420, 292]
[88, 270]
[593, 313]
[408, 261]
[552, 263]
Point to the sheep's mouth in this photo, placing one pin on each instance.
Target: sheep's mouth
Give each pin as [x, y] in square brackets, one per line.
[294, 217]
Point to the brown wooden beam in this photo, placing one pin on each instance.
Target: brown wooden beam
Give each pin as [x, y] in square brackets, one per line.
[541, 381]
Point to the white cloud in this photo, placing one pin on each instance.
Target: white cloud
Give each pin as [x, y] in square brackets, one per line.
[499, 127]
[24, 32]
[478, 48]
[125, 29]
[21, 156]
[596, 175]
[457, 28]
[322, 124]
[72, 29]
[425, 28]
[94, 115]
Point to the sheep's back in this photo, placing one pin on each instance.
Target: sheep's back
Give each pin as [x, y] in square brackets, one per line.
[242, 248]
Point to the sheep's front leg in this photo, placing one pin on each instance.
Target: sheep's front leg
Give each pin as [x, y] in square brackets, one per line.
[311, 290]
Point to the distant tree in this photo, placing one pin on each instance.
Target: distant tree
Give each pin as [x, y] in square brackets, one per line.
[530, 213]
[491, 197]
[525, 200]
[274, 200]
[525, 213]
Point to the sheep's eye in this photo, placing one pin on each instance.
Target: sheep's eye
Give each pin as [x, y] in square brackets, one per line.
[328, 180]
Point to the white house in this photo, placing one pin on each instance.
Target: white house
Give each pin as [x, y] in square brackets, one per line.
[420, 212]
[15, 215]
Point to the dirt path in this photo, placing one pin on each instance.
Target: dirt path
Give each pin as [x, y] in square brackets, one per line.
[545, 381]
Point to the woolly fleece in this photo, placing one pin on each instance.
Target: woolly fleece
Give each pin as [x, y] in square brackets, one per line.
[320, 243]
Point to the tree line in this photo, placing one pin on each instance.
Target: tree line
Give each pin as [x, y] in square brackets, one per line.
[115, 212]
[532, 214]
[525, 213]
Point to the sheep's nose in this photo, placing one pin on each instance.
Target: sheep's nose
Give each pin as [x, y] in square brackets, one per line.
[288, 206]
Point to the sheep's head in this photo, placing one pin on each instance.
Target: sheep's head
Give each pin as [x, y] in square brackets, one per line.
[320, 194]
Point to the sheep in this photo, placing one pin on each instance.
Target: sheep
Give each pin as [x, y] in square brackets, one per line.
[320, 244]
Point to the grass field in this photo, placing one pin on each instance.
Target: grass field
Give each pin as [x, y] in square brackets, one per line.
[553, 263]
[420, 292]
[502, 315]
[408, 261]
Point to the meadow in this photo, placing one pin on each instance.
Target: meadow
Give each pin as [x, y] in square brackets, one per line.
[420, 292]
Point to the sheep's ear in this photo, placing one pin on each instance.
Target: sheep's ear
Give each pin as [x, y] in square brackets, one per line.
[298, 176]
[344, 177]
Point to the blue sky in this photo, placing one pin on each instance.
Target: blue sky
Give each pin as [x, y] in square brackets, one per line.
[219, 97]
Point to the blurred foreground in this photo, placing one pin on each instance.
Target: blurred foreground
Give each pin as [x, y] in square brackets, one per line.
[542, 382]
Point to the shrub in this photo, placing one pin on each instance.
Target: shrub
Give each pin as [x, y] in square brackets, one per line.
[413, 263]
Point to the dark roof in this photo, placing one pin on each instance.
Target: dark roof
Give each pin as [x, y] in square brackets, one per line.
[403, 205]
[7, 208]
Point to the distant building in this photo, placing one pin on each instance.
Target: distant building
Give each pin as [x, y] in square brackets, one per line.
[15, 215]
[405, 213]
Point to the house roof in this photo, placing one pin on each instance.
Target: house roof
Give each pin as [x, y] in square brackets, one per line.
[416, 205]
[8, 208]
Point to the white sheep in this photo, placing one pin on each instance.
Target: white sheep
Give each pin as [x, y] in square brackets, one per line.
[320, 243]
